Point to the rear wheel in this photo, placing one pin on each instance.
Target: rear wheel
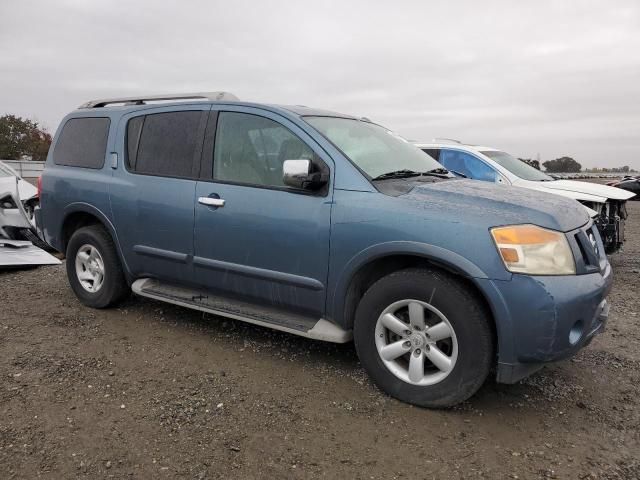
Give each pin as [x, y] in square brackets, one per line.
[424, 337]
[93, 268]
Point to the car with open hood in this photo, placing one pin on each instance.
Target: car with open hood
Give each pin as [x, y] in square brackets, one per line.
[326, 226]
[606, 205]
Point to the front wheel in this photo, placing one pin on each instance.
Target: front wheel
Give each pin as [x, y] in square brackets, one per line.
[424, 337]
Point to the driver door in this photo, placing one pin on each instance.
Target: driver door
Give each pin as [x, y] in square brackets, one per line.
[255, 238]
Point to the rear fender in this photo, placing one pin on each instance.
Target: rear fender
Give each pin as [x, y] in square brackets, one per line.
[104, 220]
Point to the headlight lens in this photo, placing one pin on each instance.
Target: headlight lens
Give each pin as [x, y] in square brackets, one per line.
[534, 250]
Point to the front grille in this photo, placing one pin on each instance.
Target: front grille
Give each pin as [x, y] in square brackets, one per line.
[590, 255]
[593, 242]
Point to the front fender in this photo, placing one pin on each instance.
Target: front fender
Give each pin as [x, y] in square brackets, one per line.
[441, 256]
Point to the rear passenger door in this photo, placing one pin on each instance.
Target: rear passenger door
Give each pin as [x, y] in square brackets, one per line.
[153, 190]
[259, 239]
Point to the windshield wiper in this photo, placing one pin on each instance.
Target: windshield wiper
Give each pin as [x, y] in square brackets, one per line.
[438, 172]
[398, 174]
[460, 174]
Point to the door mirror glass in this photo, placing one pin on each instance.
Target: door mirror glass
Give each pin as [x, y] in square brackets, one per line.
[301, 174]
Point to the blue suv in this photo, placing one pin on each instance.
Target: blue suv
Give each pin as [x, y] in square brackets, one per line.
[326, 226]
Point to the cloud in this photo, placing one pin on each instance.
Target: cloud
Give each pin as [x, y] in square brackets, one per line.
[554, 78]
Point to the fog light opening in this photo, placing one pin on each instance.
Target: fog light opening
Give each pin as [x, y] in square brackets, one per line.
[575, 334]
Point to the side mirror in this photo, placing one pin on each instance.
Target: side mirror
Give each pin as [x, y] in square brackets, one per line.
[300, 174]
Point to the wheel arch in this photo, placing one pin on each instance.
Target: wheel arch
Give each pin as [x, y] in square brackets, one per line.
[80, 215]
[380, 260]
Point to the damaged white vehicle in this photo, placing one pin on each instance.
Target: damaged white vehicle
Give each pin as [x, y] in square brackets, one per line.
[606, 205]
[28, 193]
[19, 242]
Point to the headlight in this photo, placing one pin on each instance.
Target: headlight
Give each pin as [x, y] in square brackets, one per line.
[534, 250]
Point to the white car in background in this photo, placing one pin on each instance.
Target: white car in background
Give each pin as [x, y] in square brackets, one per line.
[606, 205]
[28, 193]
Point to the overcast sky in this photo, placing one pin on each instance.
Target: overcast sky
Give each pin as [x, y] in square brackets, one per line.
[547, 77]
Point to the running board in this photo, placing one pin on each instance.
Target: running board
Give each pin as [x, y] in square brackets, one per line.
[264, 316]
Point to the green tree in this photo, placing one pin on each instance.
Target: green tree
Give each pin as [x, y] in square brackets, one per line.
[20, 137]
[562, 165]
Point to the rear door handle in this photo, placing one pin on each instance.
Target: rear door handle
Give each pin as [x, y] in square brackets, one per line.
[211, 202]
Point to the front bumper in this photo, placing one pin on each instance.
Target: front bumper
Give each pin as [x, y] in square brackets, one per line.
[543, 319]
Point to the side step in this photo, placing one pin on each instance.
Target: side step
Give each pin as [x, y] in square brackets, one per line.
[264, 316]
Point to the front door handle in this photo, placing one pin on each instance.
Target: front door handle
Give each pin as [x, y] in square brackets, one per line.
[211, 202]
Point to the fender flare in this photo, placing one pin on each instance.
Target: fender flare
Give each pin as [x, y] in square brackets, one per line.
[82, 207]
[439, 255]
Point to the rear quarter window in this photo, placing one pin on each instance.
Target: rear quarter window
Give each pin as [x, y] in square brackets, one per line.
[82, 143]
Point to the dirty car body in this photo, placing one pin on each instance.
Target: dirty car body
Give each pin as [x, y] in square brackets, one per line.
[306, 254]
[606, 204]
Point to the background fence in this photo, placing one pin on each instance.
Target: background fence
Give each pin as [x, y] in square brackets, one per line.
[26, 168]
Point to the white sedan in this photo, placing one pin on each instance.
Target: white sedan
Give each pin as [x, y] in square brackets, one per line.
[607, 205]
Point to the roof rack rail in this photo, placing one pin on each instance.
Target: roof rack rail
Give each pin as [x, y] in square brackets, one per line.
[453, 140]
[141, 99]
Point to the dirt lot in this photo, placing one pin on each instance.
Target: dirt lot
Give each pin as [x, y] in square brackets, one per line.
[154, 391]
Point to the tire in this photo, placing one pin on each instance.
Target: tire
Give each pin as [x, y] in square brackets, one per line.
[446, 302]
[96, 247]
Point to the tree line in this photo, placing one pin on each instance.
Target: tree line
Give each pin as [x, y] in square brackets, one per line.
[569, 165]
[559, 165]
[23, 138]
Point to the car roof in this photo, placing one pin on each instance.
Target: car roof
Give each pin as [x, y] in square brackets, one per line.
[459, 146]
[303, 110]
[132, 104]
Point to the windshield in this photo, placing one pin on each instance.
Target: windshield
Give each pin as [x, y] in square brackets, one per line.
[374, 149]
[517, 167]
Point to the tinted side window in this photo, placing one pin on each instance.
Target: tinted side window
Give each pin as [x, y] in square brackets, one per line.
[165, 144]
[251, 149]
[134, 129]
[467, 164]
[82, 143]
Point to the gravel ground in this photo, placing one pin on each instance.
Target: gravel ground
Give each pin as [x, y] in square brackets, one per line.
[149, 390]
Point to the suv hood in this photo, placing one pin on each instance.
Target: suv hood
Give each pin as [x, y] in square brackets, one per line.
[593, 192]
[473, 201]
